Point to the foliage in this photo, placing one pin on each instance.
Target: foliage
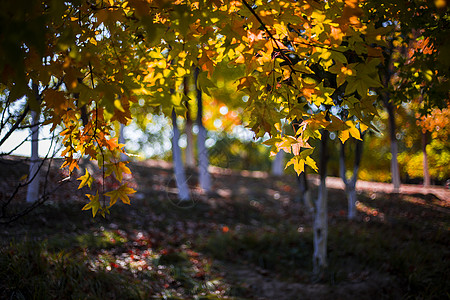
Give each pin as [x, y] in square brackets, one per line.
[438, 160]
[108, 52]
[93, 60]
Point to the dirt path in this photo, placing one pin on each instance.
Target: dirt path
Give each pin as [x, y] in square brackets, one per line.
[438, 191]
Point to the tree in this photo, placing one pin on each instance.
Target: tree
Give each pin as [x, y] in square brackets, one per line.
[295, 54]
[321, 213]
[190, 160]
[34, 176]
[180, 177]
[350, 184]
[109, 53]
[203, 160]
[278, 164]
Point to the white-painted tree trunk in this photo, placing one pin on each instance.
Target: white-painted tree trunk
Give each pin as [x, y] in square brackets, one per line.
[190, 158]
[189, 154]
[320, 230]
[203, 158]
[34, 174]
[321, 214]
[350, 184]
[278, 164]
[180, 177]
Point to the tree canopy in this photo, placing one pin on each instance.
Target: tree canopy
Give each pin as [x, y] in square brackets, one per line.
[301, 60]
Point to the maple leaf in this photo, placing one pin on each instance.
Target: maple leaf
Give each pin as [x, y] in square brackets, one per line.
[354, 132]
[121, 115]
[94, 204]
[85, 179]
[336, 124]
[206, 63]
[298, 163]
[118, 168]
[121, 193]
[344, 135]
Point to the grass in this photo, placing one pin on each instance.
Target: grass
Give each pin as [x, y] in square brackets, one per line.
[158, 249]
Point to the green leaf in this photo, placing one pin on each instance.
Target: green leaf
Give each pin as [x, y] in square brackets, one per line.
[94, 204]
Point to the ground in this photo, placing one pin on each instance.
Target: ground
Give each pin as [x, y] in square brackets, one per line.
[248, 239]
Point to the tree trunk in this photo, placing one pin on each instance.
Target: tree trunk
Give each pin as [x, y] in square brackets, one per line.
[203, 159]
[190, 159]
[395, 173]
[304, 192]
[180, 178]
[426, 172]
[386, 77]
[350, 185]
[278, 164]
[34, 176]
[321, 212]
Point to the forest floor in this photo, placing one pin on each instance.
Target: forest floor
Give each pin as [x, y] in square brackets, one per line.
[249, 239]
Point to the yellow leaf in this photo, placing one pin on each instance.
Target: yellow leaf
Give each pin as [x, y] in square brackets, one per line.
[118, 168]
[344, 135]
[310, 162]
[85, 179]
[298, 163]
[363, 127]
[355, 133]
[121, 193]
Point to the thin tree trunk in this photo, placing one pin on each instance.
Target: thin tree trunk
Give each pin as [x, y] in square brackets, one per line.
[34, 176]
[426, 172]
[203, 159]
[386, 77]
[350, 185]
[278, 164]
[190, 159]
[395, 173]
[321, 212]
[304, 192]
[180, 178]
